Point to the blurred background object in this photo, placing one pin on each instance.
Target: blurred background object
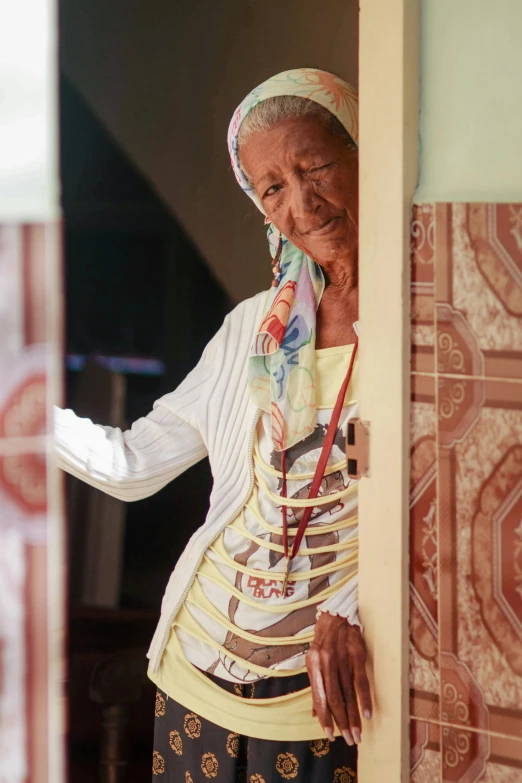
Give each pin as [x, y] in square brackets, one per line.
[32, 564]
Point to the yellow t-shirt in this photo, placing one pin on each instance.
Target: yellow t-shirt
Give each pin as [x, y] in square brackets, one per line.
[235, 622]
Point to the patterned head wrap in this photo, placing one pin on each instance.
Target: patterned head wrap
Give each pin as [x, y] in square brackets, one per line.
[281, 373]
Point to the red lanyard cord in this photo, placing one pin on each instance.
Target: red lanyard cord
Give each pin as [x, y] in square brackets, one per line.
[319, 471]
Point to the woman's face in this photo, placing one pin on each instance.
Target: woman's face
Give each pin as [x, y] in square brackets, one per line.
[306, 178]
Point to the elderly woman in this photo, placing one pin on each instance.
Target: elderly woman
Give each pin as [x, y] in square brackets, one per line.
[258, 656]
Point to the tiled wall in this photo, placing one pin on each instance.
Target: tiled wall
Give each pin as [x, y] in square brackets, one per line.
[466, 494]
[30, 514]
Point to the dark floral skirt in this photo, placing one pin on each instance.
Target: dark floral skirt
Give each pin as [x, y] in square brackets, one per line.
[190, 749]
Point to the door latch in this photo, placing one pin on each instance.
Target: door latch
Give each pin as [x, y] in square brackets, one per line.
[358, 448]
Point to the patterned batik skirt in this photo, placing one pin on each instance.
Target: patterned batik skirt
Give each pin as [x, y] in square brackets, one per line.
[190, 749]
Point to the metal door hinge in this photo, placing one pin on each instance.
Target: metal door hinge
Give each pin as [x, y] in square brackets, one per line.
[358, 448]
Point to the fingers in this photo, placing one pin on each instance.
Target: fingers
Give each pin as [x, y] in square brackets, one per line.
[320, 704]
[336, 664]
[357, 655]
[347, 686]
[330, 660]
[335, 697]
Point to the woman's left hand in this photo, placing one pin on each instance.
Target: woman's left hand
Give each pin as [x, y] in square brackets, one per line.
[336, 664]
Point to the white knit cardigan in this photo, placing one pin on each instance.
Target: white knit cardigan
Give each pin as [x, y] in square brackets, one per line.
[210, 413]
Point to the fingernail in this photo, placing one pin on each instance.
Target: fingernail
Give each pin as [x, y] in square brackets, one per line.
[329, 733]
[367, 714]
[356, 735]
[347, 737]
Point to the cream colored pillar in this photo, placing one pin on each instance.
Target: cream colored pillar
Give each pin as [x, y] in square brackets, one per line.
[388, 83]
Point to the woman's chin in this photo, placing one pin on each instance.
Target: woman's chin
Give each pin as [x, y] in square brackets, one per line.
[331, 248]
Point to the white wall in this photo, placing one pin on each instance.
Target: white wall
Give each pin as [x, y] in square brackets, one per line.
[471, 100]
[28, 119]
[165, 78]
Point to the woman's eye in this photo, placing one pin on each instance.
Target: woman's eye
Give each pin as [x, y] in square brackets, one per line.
[321, 168]
[271, 190]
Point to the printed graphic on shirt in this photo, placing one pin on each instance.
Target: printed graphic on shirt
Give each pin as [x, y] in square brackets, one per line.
[264, 556]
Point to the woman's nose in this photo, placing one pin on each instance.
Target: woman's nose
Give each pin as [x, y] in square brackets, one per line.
[303, 199]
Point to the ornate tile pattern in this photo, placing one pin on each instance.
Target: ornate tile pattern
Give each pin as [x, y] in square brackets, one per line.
[422, 288]
[424, 634]
[478, 289]
[29, 264]
[466, 491]
[425, 758]
[481, 545]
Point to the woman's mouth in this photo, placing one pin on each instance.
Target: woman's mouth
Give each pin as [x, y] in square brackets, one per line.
[326, 228]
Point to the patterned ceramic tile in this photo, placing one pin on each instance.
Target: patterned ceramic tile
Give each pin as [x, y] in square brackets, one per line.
[422, 288]
[37, 681]
[39, 257]
[23, 494]
[12, 298]
[480, 553]
[452, 754]
[478, 272]
[24, 349]
[13, 697]
[469, 756]
[29, 326]
[501, 773]
[505, 761]
[26, 260]
[424, 674]
[464, 754]
[24, 640]
[23, 393]
[425, 758]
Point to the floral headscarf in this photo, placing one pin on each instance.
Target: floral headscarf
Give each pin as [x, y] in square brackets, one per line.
[281, 373]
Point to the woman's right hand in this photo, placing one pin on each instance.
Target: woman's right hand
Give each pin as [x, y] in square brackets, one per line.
[336, 664]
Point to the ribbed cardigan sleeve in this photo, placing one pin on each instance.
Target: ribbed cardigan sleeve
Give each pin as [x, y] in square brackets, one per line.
[344, 602]
[137, 463]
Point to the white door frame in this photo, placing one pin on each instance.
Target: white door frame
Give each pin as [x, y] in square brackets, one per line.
[388, 88]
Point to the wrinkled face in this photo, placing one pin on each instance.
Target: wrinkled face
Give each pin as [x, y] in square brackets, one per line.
[307, 181]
